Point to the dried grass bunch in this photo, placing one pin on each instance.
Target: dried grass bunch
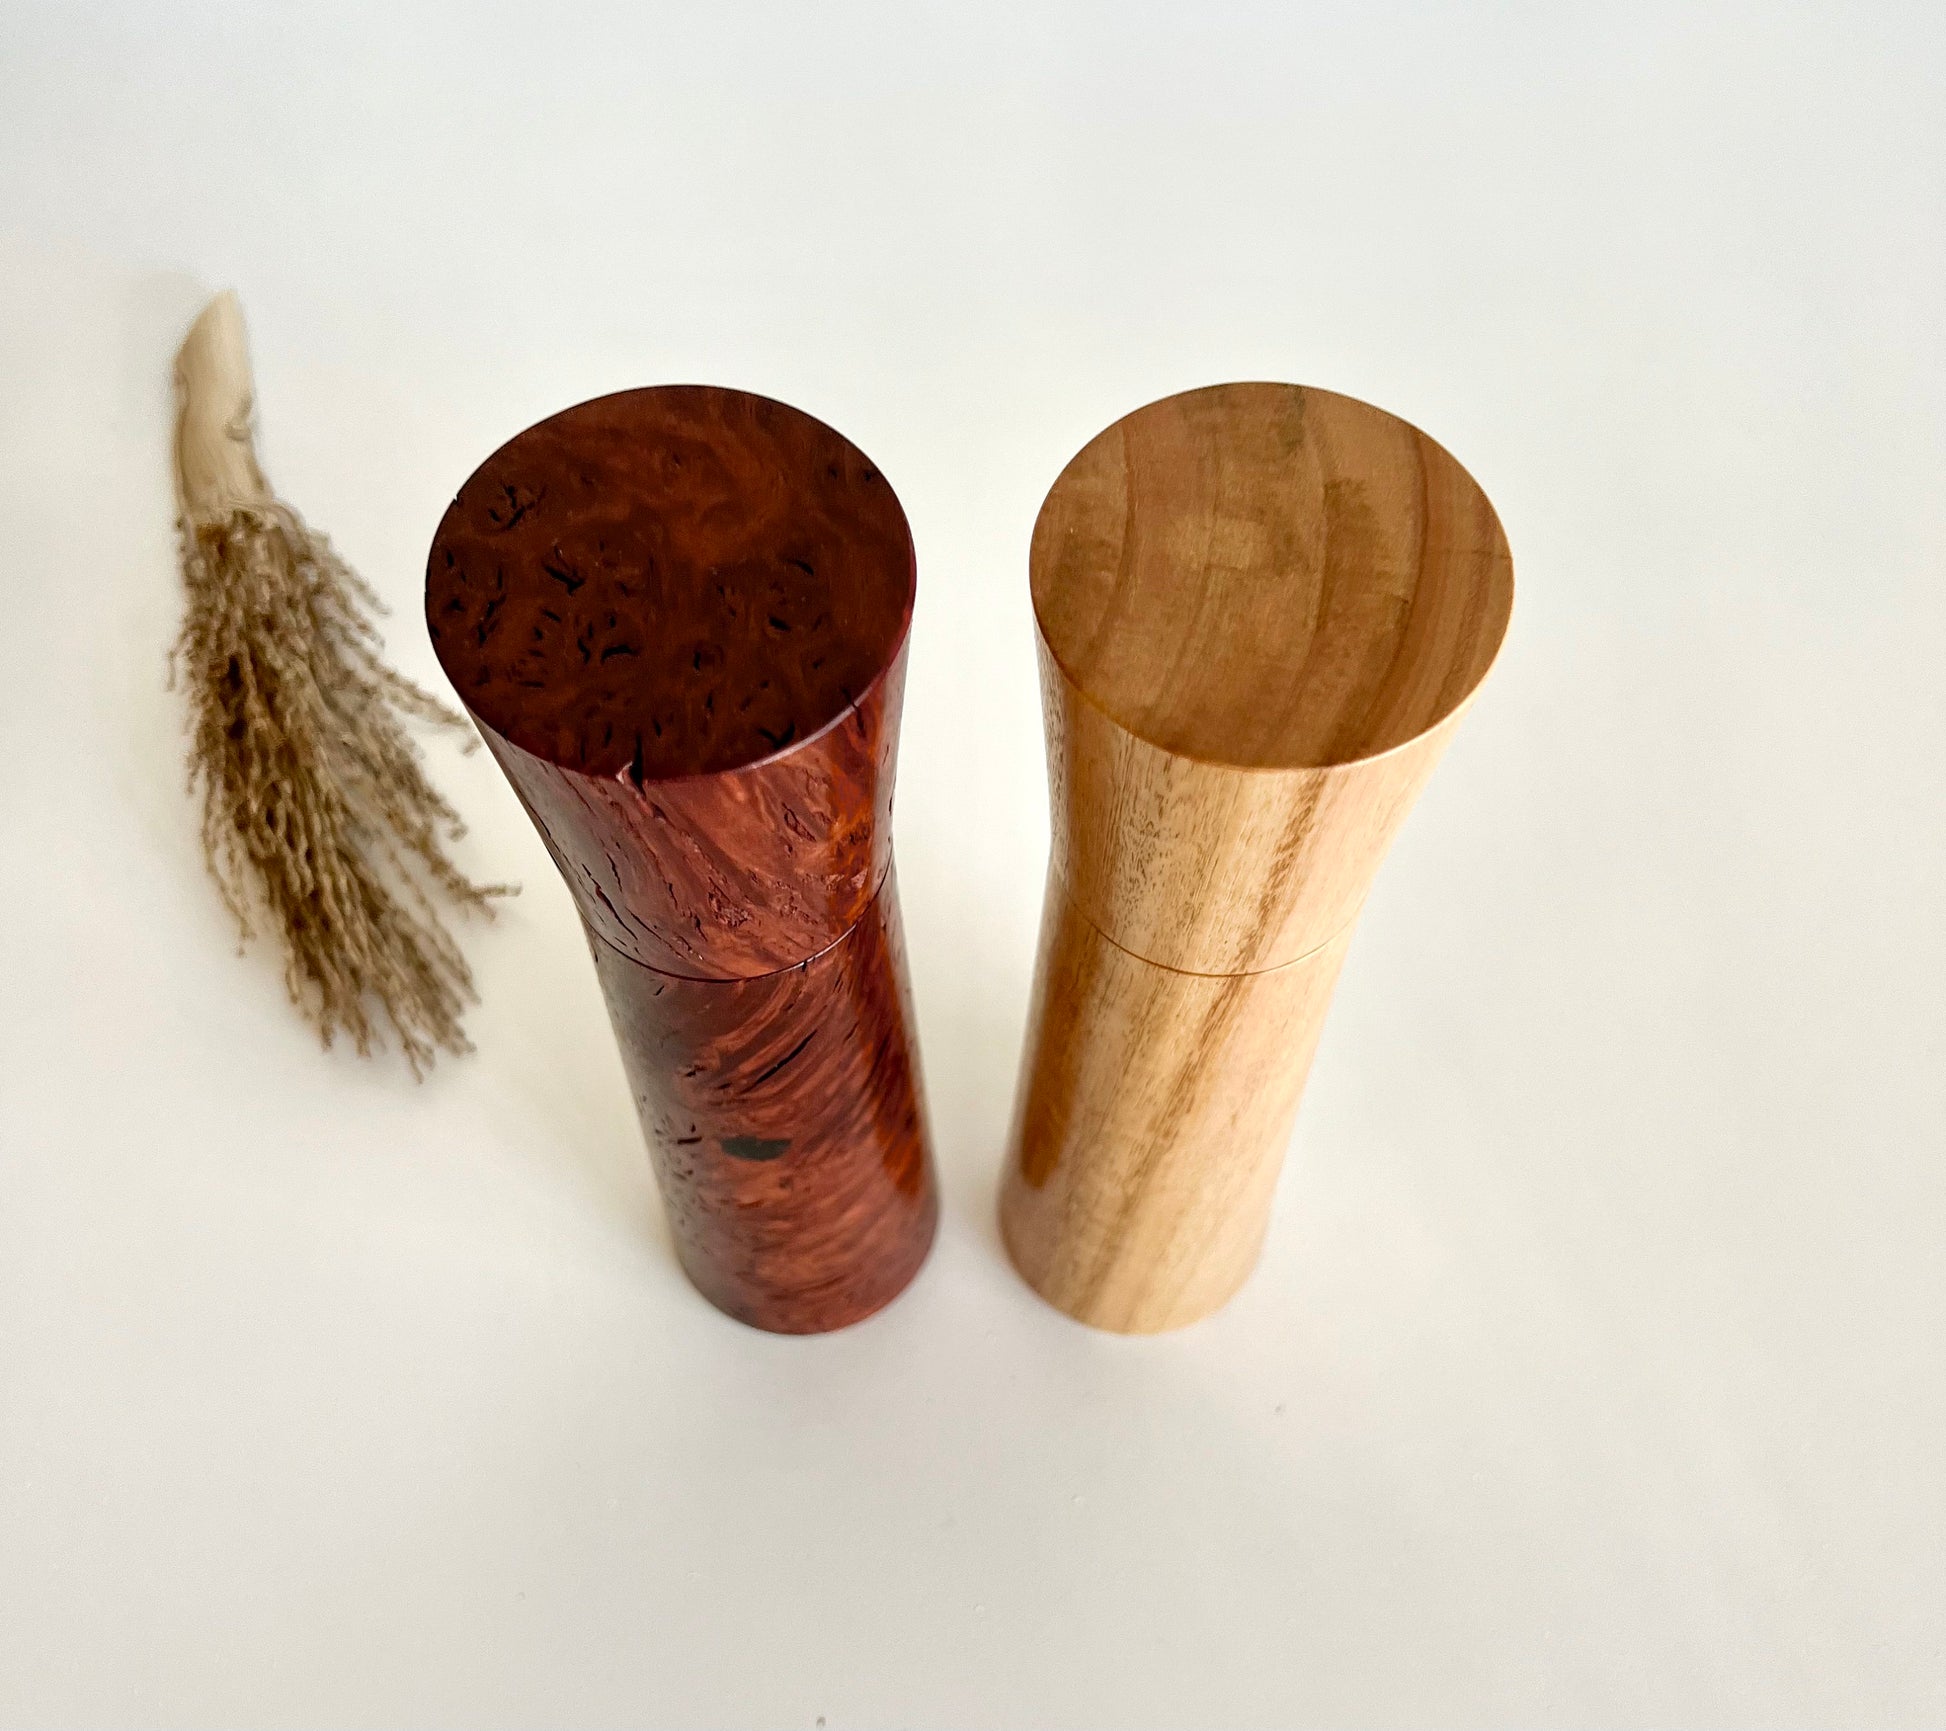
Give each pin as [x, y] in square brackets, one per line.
[318, 817]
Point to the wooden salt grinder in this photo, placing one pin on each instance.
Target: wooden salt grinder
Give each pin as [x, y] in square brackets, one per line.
[679, 617]
[1261, 609]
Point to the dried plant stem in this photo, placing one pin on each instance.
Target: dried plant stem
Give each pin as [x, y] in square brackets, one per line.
[318, 817]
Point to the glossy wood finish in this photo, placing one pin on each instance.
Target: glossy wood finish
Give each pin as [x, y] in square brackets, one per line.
[1262, 611]
[670, 582]
[679, 617]
[784, 1114]
[725, 876]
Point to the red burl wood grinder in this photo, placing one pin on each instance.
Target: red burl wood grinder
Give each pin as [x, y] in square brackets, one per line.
[679, 618]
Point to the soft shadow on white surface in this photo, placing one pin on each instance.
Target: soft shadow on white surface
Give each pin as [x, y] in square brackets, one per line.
[1591, 1373]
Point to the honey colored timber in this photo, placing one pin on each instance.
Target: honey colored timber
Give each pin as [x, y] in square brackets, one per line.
[1262, 610]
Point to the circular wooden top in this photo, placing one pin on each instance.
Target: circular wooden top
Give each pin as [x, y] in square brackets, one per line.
[1271, 577]
[669, 582]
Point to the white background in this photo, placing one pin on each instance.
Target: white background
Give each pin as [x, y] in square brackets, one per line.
[1593, 1374]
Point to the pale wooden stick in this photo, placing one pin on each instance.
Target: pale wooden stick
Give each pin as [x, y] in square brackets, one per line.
[216, 456]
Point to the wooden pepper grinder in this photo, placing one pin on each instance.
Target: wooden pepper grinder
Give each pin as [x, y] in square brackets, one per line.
[1261, 609]
[679, 617]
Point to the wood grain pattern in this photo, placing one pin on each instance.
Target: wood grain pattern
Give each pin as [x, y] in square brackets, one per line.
[1262, 610]
[785, 1116]
[1151, 1121]
[1270, 576]
[669, 582]
[723, 876]
[679, 618]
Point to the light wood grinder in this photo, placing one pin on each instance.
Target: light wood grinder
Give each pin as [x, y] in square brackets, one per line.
[1262, 609]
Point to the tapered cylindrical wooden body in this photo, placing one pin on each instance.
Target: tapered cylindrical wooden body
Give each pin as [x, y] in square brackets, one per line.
[1261, 609]
[679, 617]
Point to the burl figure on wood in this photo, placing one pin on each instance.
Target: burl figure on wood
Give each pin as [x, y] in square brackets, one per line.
[679, 618]
[1262, 610]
